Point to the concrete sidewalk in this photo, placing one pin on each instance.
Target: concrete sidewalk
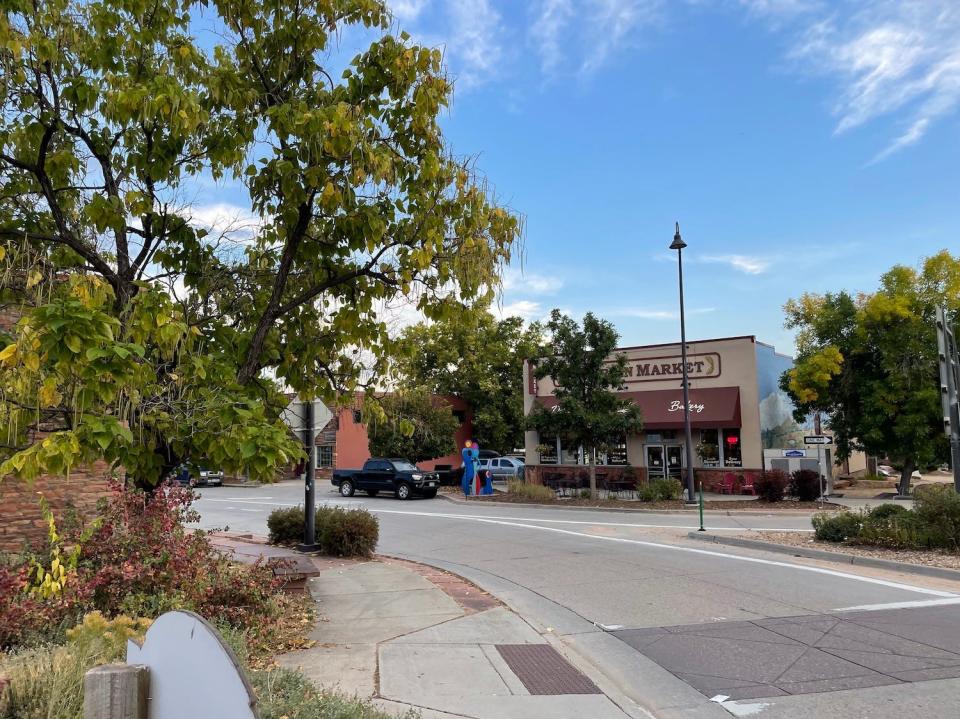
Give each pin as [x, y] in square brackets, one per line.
[411, 636]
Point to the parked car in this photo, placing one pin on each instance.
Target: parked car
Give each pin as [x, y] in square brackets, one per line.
[399, 476]
[197, 476]
[504, 468]
[487, 454]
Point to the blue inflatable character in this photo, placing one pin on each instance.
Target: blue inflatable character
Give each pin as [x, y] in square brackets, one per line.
[470, 455]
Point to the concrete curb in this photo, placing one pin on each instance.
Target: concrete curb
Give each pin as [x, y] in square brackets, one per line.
[628, 510]
[836, 557]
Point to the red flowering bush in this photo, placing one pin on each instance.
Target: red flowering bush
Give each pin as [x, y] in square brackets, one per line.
[141, 560]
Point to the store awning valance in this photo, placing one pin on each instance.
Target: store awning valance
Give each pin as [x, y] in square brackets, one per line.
[710, 407]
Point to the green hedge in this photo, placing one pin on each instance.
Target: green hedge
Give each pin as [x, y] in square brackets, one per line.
[341, 532]
[660, 490]
[933, 523]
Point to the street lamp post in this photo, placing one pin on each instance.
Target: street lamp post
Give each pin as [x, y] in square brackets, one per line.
[678, 244]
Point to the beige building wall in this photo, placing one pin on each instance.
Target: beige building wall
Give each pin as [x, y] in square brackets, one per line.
[730, 362]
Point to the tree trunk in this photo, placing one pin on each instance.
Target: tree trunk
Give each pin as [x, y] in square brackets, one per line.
[593, 473]
[904, 489]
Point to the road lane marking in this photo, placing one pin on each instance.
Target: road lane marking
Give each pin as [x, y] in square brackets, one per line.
[445, 515]
[722, 555]
[508, 521]
[900, 605]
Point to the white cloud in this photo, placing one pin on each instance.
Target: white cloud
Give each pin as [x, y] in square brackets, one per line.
[659, 314]
[747, 264]
[890, 57]
[530, 282]
[527, 309]
[227, 220]
[474, 41]
[552, 18]
[613, 24]
[407, 10]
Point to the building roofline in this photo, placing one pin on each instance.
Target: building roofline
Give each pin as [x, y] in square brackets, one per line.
[752, 338]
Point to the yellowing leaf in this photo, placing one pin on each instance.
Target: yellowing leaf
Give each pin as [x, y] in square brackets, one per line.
[73, 342]
[33, 278]
[8, 355]
[3, 253]
[32, 361]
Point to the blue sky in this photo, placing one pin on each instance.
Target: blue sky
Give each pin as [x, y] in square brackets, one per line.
[802, 145]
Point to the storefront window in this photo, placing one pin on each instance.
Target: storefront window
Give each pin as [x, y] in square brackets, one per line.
[548, 450]
[709, 448]
[616, 451]
[732, 450]
[569, 453]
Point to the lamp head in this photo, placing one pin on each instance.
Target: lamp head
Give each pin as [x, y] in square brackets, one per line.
[678, 243]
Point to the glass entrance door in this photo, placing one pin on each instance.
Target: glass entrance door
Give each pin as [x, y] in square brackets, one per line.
[674, 460]
[656, 465]
[664, 460]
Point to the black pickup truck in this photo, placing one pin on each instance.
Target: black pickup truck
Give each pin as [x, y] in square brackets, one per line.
[387, 475]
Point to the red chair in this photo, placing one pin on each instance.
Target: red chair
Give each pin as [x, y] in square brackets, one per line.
[728, 483]
[747, 486]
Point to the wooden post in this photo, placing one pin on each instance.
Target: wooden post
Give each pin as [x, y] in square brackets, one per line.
[116, 691]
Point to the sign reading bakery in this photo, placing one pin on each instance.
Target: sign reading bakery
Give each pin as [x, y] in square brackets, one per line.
[652, 369]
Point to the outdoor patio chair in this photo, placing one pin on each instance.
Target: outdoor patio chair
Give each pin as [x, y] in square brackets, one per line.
[747, 486]
[728, 483]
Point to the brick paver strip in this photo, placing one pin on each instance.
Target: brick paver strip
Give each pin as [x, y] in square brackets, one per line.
[544, 671]
[807, 654]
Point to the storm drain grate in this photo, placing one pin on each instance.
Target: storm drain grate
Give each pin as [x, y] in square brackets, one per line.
[543, 671]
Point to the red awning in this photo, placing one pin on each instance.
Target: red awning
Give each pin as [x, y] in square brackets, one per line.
[710, 407]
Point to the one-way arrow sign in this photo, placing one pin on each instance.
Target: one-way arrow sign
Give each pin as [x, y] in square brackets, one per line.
[817, 439]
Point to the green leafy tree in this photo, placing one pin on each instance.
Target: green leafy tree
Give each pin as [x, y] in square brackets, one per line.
[586, 375]
[870, 363]
[147, 339]
[412, 425]
[479, 359]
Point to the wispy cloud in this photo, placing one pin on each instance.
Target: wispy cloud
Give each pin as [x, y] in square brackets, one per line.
[657, 314]
[612, 24]
[530, 282]
[748, 264]
[224, 219]
[407, 10]
[891, 56]
[474, 40]
[527, 309]
[552, 18]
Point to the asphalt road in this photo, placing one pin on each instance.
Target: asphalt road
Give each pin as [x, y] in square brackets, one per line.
[588, 575]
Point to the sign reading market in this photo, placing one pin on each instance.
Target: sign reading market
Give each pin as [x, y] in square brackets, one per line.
[651, 369]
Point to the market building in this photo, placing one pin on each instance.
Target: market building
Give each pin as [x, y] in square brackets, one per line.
[741, 421]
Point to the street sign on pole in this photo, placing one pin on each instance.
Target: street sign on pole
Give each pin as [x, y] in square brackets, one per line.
[817, 439]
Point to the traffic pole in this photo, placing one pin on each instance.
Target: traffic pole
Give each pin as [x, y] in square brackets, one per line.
[701, 508]
[310, 485]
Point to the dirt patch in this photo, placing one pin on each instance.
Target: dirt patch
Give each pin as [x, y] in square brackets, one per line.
[929, 558]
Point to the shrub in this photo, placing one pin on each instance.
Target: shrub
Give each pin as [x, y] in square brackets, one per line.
[771, 485]
[658, 490]
[937, 508]
[837, 527]
[347, 533]
[286, 525]
[47, 681]
[888, 510]
[533, 492]
[805, 485]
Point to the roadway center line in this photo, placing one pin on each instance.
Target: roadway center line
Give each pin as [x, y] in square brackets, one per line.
[945, 597]
[722, 555]
[444, 515]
